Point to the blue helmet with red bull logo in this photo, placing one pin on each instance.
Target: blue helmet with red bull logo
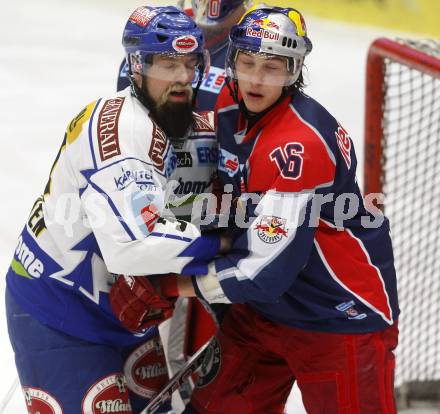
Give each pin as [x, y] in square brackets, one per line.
[161, 30]
[214, 11]
[269, 31]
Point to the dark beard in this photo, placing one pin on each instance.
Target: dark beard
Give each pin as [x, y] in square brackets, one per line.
[174, 118]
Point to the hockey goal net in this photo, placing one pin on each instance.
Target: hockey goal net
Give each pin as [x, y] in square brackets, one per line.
[402, 161]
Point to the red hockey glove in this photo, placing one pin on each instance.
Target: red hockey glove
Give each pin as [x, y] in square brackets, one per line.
[138, 304]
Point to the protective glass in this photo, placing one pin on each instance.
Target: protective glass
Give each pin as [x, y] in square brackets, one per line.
[263, 68]
[172, 67]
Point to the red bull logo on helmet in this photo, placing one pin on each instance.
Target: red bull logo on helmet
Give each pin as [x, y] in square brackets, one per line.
[265, 23]
[271, 229]
[262, 34]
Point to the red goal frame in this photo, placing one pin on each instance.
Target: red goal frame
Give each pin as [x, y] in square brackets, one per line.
[380, 50]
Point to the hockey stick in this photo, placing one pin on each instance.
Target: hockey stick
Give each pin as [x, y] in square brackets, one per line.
[9, 395]
[193, 365]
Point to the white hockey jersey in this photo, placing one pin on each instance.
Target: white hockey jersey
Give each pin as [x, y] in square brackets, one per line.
[104, 210]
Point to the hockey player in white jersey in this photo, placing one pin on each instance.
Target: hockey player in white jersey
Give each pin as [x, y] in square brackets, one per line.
[103, 212]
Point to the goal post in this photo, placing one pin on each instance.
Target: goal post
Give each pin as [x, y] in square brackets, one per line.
[382, 51]
[402, 161]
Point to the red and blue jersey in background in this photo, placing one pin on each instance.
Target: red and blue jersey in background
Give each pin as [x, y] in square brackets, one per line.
[308, 254]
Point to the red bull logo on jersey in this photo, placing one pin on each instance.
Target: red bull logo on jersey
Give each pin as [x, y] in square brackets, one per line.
[262, 34]
[271, 229]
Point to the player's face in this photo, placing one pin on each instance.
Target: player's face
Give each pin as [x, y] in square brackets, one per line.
[261, 79]
[169, 78]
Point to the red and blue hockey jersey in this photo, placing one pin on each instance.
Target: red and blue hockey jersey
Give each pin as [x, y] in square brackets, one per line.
[307, 253]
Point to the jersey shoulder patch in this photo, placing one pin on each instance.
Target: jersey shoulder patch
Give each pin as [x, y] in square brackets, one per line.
[108, 128]
[203, 121]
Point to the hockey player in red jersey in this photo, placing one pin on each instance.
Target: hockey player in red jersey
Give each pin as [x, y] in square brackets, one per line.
[311, 272]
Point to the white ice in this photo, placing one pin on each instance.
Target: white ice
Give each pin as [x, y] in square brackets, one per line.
[58, 55]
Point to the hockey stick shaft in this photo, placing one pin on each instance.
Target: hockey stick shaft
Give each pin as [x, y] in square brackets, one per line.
[9, 395]
[190, 367]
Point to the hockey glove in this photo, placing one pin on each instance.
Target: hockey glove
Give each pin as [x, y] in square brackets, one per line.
[138, 304]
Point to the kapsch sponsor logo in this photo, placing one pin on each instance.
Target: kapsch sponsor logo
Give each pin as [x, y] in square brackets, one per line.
[146, 370]
[39, 401]
[108, 395]
[184, 159]
[185, 44]
[108, 139]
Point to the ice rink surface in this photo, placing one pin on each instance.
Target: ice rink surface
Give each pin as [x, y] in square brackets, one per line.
[58, 55]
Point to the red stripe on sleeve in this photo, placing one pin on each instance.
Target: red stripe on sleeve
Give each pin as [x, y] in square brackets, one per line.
[349, 264]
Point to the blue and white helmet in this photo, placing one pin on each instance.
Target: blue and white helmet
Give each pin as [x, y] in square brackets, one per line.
[270, 31]
[164, 31]
[214, 11]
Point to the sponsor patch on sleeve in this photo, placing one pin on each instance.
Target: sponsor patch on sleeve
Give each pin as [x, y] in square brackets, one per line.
[108, 138]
